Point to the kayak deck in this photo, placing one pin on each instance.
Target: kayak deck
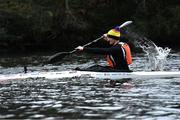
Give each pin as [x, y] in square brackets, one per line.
[90, 74]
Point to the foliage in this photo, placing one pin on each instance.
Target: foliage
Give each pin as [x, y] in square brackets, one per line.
[46, 24]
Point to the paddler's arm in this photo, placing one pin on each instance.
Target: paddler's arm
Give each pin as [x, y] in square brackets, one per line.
[102, 51]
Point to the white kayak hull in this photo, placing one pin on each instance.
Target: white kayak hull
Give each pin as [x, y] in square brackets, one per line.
[89, 74]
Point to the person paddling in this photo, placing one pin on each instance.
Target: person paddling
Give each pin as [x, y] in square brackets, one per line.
[118, 56]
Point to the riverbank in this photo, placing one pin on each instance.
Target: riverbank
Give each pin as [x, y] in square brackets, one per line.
[34, 26]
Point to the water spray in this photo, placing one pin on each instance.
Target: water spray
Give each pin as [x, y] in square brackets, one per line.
[157, 56]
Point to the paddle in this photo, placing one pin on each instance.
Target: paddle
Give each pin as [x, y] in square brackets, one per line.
[58, 56]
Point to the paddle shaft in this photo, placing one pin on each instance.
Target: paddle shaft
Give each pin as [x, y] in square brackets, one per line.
[122, 25]
[87, 44]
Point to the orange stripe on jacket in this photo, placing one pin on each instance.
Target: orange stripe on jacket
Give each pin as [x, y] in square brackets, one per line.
[110, 61]
[128, 53]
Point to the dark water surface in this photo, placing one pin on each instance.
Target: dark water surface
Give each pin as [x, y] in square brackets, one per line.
[78, 98]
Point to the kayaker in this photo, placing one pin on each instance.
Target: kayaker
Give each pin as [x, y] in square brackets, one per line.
[118, 56]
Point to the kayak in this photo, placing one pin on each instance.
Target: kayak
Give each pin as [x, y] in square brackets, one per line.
[91, 74]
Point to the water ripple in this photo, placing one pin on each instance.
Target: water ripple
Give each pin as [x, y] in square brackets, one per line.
[83, 98]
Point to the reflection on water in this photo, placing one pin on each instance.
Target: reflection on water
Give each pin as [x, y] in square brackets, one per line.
[83, 98]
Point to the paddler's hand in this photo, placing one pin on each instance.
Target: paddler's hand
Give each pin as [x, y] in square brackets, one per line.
[79, 48]
[105, 37]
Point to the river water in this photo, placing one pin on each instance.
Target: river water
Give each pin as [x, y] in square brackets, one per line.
[83, 98]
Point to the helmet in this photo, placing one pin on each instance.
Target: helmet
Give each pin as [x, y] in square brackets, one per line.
[114, 33]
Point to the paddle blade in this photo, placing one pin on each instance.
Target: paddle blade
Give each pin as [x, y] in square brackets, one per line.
[57, 57]
[125, 24]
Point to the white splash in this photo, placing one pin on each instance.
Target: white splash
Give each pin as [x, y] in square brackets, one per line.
[157, 56]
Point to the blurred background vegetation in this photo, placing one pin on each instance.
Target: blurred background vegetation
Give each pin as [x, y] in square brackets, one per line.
[58, 25]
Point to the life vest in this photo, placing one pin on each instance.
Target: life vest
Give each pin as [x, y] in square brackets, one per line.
[126, 52]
